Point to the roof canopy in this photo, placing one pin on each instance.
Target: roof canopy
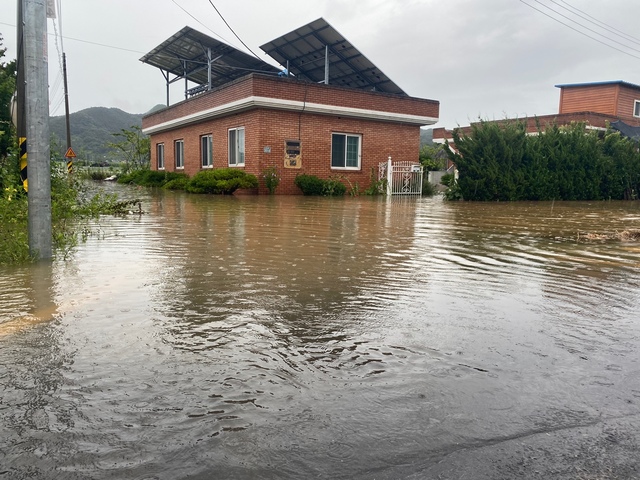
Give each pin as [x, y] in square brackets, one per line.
[596, 84]
[315, 52]
[304, 52]
[189, 53]
[627, 130]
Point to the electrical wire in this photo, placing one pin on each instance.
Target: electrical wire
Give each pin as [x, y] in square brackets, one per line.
[232, 31]
[587, 28]
[579, 31]
[197, 20]
[598, 22]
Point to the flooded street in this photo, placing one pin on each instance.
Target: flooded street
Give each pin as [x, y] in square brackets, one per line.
[301, 337]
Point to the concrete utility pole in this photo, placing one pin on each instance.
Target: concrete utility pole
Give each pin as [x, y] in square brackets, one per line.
[37, 116]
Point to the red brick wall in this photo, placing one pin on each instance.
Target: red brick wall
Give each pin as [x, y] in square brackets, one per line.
[288, 89]
[271, 128]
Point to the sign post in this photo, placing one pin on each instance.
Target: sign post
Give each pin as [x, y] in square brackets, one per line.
[70, 155]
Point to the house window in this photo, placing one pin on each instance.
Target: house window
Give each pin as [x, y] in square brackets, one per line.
[179, 153]
[206, 151]
[236, 147]
[160, 156]
[345, 151]
[636, 108]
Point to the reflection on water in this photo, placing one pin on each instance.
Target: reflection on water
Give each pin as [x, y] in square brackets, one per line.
[255, 337]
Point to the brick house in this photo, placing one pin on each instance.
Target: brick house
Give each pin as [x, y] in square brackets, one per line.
[295, 124]
[598, 104]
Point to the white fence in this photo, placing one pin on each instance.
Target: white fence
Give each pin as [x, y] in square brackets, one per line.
[403, 178]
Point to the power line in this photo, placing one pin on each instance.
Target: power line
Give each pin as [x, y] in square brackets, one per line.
[580, 32]
[587, 28]
[196, 19]
[232, 31]
[89, 42]
[596, 21]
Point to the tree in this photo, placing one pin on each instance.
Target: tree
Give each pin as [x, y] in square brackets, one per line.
[134, 148]
[433, 157]
[7, 87]
[499, 161]
[9, 168]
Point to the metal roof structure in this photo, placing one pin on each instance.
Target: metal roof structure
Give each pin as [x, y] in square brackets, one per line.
[317, 52]
[628, 131]
[203, 60]
[593, 84]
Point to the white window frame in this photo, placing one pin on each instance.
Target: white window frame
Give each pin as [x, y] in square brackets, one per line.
[344, 165]
[160, 156]
[178, 154]
[236, 137]
[206, 151]
[636, 108]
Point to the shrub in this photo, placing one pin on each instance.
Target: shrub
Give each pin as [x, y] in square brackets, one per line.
[333, 187]
[271, 179]
[96, 174]
[312, 185]
[428, 188]
[178, 183]
[447, 179]
[13, 227]
[309, 184]
[151, 178]
[223, 180]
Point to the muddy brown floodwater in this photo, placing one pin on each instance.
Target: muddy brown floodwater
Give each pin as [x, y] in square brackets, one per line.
[356, 338]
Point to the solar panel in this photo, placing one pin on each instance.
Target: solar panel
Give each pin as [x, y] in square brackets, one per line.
[304, 49]
[186, 54]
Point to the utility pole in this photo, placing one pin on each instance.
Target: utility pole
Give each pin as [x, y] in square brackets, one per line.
[37, 117]
[70, 154]
[21, 120]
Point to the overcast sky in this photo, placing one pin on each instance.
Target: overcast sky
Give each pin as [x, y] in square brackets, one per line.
[480, 58]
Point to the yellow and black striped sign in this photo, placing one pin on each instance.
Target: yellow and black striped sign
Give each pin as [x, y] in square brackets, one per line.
[70, 155]
[23, 163]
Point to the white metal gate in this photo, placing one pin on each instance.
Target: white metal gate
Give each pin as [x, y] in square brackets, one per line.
[403, 178]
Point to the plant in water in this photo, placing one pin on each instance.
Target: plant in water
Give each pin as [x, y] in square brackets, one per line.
[72, 205]
[309, 184]
[271, 179]
[333, 187]
[428, 188]
[221, 180]
[312, 185]
[453, 191]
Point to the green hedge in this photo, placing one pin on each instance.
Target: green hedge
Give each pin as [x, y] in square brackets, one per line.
[152, 178]
[222, 180]
[499, 161]
[312, 185]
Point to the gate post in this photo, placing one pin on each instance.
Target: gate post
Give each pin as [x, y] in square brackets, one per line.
[389, 177]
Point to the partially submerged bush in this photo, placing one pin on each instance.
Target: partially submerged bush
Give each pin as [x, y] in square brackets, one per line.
[333, 187]
[428, 188]
[309, 184]
[97, 174]
[178, 183]
[271, 179]
[312, 185]
[150, 178]
[72, 205]
[222, 180]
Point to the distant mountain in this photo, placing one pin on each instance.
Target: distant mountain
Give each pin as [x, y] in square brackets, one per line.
[426, 136]
[91, 131]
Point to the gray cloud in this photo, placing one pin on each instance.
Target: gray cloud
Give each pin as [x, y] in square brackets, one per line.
[479, 58]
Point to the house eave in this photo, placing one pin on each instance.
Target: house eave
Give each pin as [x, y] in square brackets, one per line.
[253, 102]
